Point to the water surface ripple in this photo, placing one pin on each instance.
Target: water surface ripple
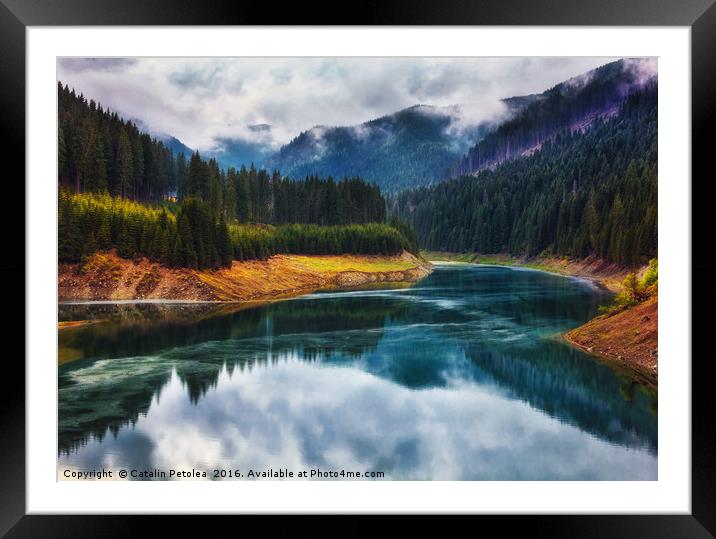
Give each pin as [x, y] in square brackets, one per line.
[460, 377]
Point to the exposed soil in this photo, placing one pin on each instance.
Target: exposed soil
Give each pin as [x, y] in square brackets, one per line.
[629, 337]
[105, 276]
[606, 274]
[602, 272]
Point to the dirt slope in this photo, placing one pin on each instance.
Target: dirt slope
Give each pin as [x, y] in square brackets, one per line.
[105, 276]
[604, 273]
[630, 337]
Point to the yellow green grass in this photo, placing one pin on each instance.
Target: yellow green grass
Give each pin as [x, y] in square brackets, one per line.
[366, 264]
[497, 259]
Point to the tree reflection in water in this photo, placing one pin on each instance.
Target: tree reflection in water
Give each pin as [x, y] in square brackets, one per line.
[490, 327]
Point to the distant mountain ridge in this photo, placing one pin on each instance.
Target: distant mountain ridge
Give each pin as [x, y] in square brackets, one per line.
[591, 192]
[572, 105]
[235, 152]
[176, 145]
[424, 144]
[414, 146]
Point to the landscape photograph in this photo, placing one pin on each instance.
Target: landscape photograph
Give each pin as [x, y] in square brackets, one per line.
[357, 268]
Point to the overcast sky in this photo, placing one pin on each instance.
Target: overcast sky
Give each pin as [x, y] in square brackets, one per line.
[200, 100]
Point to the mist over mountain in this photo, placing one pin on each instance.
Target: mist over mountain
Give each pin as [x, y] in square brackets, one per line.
[228, 152]
[236, 152]
[169, 141]
[585, 192]
[572, 105]
[175, 145]
[414, 146]
[424, 144]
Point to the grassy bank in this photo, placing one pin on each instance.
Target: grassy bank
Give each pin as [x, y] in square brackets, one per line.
[106, 276]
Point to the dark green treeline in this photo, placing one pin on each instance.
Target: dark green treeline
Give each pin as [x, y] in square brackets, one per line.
[190, 237]
[254, 196]
[100, 152]
[253, 242]
[591, 192]
[120, 188]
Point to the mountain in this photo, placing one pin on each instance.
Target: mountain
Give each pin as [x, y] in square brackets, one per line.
[423, 144]
[169, 141]
[176, 145]
[571, 105]
[414, 146]
[228, 152]
[234, 152]
[583, 193]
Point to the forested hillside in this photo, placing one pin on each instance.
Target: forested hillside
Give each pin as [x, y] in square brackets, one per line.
[121, 188]
[188, 235]
[583, 193]
[571, 105]
[99, 151]
[415, 146]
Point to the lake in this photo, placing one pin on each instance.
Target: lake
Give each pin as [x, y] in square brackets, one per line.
[460, 377]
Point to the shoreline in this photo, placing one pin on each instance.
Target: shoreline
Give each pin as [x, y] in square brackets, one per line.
[603, 274]
[640, 374]
[628, 341]
[595, 281]
[107, 279]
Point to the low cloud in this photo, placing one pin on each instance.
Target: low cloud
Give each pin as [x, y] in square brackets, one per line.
[203, 100]
[79, 65]
[643, 69]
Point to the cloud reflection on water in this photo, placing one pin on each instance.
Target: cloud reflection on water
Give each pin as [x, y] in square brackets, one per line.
[457, 378]
[341, 418]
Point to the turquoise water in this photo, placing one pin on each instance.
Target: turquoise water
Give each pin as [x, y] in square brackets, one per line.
[461, 377]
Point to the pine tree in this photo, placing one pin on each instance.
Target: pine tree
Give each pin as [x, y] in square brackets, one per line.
[89, 245]
[124, 165]
[70, 241]
[165, 250]
[61, 154]
[137, 165]
[214, 187]
[243, 196]
[95, 171]
[187, 253]
[224, 247]
[588, 193]
[124, 246]
[197, 177]
[180, 165]
[177, 257]
[104, 237]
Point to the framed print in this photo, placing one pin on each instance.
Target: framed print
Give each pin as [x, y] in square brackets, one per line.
[408, 264]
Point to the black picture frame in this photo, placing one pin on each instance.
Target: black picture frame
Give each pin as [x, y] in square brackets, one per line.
[699, 15]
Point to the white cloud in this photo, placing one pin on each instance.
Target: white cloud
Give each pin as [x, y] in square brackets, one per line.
[643, 69]
[202, 100]
[337, 418]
